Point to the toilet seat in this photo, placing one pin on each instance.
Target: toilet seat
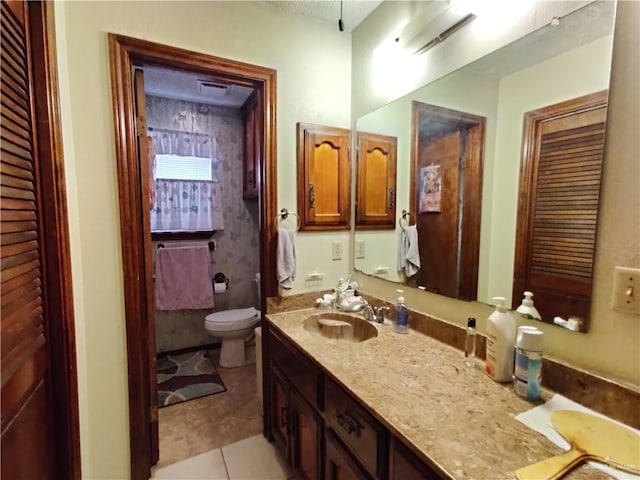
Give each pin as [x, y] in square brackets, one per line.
[229, 320]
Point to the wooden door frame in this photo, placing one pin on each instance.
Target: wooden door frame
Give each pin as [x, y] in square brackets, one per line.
[124, 51]
[470, 252]
[55, 251]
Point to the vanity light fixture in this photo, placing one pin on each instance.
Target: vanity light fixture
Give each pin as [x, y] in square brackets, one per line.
[433, 26]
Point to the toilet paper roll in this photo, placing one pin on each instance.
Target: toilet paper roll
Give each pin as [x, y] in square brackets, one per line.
[219, 287]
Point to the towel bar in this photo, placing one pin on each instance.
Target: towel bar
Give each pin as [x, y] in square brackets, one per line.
[404, 216]
[284, 214]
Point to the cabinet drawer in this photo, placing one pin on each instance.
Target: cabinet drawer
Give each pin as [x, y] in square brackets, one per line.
[338, 463]
[364, 435]
[303, 374]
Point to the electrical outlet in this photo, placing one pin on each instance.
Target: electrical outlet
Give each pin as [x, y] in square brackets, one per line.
[336, 250]
[360, 249]
[626, 290]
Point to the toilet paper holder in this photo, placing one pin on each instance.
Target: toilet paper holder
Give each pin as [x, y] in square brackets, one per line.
[220, 279]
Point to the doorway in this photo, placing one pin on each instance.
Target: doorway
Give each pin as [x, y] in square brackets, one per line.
[446, 194]
[125, 54]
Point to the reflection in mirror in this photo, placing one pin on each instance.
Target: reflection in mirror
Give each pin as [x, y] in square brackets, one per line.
[561, 167]
[446, 168]
[548, 66]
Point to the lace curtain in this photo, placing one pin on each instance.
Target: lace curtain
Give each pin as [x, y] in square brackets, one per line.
[185, 205]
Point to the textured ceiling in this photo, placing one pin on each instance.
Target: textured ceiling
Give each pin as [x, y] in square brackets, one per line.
[328, 11]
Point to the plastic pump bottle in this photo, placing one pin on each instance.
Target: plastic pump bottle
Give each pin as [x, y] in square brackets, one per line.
[401, 324]
[501, 339]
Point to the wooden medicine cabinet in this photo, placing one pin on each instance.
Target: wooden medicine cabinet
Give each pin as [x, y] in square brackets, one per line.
[324, 177]
[376, 188]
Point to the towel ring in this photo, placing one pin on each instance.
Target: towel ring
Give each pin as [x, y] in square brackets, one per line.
[284, 214]
[404, 216]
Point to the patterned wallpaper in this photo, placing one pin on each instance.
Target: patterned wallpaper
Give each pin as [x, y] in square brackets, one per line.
[237, 253]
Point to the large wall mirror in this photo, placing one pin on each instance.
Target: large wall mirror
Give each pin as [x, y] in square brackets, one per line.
[565, 60]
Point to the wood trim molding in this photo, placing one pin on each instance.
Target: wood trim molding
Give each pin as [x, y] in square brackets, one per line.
[124, 52]
[59, 310]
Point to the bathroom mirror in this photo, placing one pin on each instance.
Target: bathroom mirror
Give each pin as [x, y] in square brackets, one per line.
[553, 64]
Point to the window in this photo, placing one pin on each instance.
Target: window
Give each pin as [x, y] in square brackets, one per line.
[176, 167]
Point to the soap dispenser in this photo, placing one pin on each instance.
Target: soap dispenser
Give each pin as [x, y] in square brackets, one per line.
[501, 339]
[526, 309]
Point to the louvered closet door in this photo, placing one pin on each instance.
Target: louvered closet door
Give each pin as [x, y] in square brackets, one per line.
[557, 223]
[567, 192]
[26, 421]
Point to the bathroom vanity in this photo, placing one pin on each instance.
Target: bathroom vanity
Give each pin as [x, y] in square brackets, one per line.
[390, 406]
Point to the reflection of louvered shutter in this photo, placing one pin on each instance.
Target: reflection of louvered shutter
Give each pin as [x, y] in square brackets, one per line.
[557, 227]
[566, 209]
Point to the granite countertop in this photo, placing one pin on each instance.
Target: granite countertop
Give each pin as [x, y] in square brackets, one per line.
[454, 416]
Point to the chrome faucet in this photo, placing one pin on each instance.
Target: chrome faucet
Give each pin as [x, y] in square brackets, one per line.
[374, 314]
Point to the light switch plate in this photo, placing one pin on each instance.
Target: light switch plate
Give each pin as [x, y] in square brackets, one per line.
[626, 290]
[360, 249]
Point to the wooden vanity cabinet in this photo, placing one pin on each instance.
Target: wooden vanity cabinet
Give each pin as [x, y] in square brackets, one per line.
[376, 186]
[253, 145]
[295, 423]
[322, 431]
[338, 463]
[366, 438]
[405, 465]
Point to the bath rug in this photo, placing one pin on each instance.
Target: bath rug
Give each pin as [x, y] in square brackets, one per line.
[186, 376]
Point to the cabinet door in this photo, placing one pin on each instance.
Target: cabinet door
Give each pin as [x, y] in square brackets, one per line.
[306, 438]
[405, 465]
[376, 188]
[324, 177]
[279, 418]
[253, 145]
[338, 464]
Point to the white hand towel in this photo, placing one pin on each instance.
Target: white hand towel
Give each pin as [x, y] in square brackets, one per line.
[408, 251]
[286, 258]
[413, 253]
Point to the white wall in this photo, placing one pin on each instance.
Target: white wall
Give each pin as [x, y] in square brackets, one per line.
[313, 85]
[611, 347]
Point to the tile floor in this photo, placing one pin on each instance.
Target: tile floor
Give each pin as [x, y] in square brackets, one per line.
[250, 459]
[191, 428]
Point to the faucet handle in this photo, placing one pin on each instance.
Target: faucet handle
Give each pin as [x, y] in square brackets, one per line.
[380, 312]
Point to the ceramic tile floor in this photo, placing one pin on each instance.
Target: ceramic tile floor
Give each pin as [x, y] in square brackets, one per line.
[250, 459]
[190, 428]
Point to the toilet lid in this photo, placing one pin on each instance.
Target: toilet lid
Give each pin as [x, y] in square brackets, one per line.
[230, 319]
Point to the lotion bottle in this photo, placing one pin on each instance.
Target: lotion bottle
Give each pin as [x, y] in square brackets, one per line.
[501, 339]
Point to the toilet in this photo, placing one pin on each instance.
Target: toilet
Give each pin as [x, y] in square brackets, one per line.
[234, 327]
